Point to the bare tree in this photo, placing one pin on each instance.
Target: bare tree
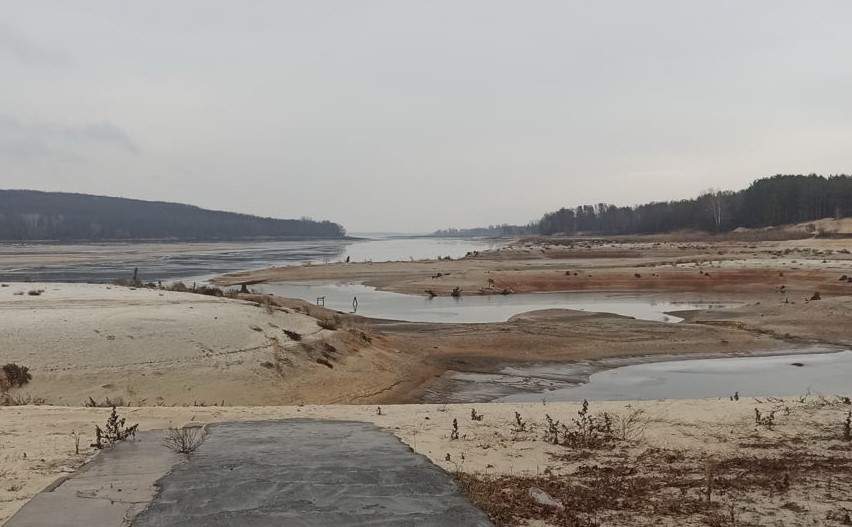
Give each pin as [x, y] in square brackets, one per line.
[715, 200]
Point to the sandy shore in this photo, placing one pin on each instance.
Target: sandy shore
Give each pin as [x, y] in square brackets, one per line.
[171, 356]
[778, 278]
[86, 342]
[801, 266]
[670, 442]
[151, 347]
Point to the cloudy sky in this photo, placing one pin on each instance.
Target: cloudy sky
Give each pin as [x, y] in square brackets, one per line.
[401, 115]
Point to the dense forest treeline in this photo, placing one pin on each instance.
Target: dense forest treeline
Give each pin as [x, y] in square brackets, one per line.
[492, 231]
[35, 215]
[776, 200]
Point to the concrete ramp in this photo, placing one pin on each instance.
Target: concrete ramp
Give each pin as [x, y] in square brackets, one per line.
[296, 472]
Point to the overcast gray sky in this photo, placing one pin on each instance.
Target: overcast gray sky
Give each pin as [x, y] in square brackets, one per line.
[402, 115]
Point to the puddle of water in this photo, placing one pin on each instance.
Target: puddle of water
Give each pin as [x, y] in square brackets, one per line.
[493, 308]
[755, 376]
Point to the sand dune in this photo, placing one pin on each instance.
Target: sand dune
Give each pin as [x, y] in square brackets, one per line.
[149, 347]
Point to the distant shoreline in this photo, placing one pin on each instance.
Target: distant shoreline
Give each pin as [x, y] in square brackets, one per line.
[178, 240]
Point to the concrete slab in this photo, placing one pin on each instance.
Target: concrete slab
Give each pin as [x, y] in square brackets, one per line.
[306, 473]
[106, 492]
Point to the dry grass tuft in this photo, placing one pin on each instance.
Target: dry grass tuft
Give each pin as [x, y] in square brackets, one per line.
[667, 485]
[184, 440]
[108, 402]
[332, 323]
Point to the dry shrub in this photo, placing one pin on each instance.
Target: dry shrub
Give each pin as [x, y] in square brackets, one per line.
[589, 430]
[209, 290]
[21, 399]
[15, 376]
[106, 403]
[184, 440]
[262, 300]
[292, 335]
[114, 431]
[329, 323]
[178, 287]
[631, 426]
[129, 282]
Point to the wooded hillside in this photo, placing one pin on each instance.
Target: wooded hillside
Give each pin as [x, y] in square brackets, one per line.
[34, 215]
[777, 200]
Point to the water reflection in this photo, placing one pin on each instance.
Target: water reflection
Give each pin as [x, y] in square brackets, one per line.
[495, 308]
[201, 261]
[755, 376]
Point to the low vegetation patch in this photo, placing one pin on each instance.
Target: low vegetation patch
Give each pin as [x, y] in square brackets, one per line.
[179, 287]
[114, 431]
[19, 399]
[292, 335]
[589, 430]
[184, 440]
[15, 376]
[331, 323]
[672, 487]
[108, 402]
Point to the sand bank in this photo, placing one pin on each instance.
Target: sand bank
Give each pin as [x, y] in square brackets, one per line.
[150, 347]
[678, 437]
[760, 268]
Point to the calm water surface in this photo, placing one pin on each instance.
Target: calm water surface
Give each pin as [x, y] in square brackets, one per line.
[815, 370]
[495, 308]
[204, 263]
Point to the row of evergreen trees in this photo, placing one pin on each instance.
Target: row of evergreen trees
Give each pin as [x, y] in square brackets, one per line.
[776, 200]
[32, 215]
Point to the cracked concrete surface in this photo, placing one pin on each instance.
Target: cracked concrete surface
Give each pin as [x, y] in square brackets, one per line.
[307, 473]
[289, 472]
[106, 492]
